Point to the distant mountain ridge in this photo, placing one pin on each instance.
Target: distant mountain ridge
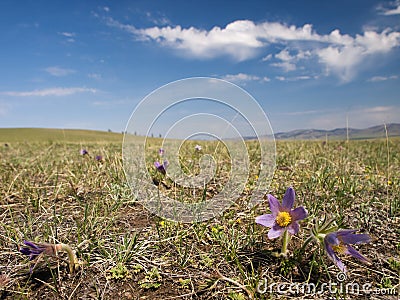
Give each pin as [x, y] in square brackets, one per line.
[377, 131]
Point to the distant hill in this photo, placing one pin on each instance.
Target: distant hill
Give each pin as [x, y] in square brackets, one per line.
[10, 135]
[341, 133]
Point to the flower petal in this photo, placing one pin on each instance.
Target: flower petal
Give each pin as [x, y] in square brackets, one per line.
[266, 220]
[275, 231]
[353, 252]
[351, 238]
[293, 228]
[165, 164]
[274, 204]
[25, 251]
[31, 244]
[299, 213]
[331, 239]
[288, 199]
[157, 164]
[332, 255]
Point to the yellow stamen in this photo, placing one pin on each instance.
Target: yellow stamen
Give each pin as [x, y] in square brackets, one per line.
[283, 219]
[340, 249]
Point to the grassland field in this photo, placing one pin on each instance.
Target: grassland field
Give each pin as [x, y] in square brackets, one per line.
[50, 193]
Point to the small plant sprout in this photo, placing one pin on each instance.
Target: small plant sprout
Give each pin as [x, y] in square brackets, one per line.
[284, 219]
[339, 242]
[162, 168]
[34, 250]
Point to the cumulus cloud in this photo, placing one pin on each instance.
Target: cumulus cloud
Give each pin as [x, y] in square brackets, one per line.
[240, 39]
[59, 72]
[344, 54]
[287, 61]
[50, 92]
[338, 53]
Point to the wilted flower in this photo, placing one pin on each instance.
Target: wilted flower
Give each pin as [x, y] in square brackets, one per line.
[338, 242]
[36, 249]
[84, 152]
[197, 148]
[162, 168]
[283, 217]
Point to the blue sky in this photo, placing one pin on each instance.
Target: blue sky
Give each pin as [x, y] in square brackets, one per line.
[309, 64]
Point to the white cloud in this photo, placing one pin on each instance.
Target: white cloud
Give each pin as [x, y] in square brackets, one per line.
[67, 34]
[289, 61]
[266, 79]
[106, 8]
[240, 39]
[242, 78]
[382, 78]
[395, 10]
[268, 57]
[357, 117]
[50, 92]
[58, 72]
[341, 61]
[159, 19]
[295, 78]
[284, 55]
[378, 109]
[338, 54]
[301, 113]
[286, 66]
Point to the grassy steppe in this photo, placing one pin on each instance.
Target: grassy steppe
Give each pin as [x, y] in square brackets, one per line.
[51, 193]
[10, 135]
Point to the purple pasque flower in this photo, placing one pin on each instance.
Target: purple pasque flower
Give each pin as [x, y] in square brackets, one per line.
[197, 148]
[161, 152]
[99, 158]
[83, 152]
[338, 242]
[34, 249]
[282, 217]
[162, 168]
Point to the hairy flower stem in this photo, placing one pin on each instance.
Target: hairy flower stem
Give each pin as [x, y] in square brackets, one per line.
[73, 261]
[285, 242]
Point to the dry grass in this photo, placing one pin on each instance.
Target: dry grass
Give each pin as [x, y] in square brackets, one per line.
[50, 193]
